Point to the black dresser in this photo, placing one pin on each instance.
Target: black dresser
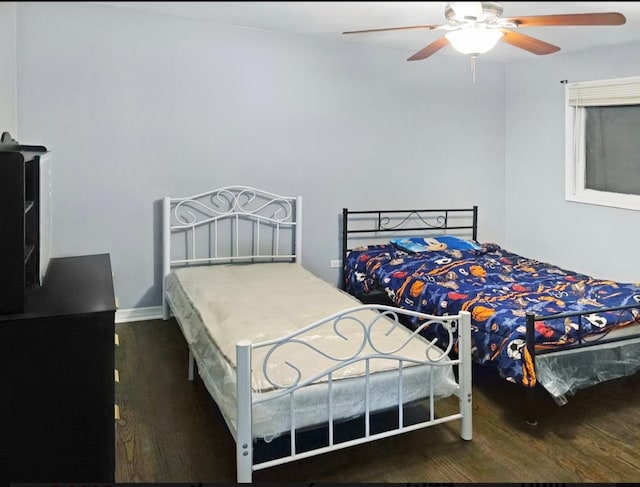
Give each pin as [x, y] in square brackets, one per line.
[57, 377]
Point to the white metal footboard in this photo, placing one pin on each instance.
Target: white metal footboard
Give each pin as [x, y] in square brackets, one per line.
[435, 355]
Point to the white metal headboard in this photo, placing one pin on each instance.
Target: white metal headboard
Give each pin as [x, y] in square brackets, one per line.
[230, 224]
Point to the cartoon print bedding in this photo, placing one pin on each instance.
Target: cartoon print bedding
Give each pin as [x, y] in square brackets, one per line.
[498, 287]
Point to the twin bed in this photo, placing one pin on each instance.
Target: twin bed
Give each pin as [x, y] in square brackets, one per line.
[534, 322]
[283, 352]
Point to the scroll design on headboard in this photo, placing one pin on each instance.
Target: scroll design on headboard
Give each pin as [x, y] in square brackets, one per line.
[439, 221]
[228, 202]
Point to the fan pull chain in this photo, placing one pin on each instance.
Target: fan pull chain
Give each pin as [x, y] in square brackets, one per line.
[473, 67]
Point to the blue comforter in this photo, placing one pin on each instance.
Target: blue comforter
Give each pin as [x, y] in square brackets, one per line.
[497, 287]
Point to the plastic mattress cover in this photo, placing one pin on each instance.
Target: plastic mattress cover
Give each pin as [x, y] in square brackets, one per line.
[563, 373]
[218, 305]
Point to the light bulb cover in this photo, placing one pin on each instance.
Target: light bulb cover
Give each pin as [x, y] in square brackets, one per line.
[474, 40]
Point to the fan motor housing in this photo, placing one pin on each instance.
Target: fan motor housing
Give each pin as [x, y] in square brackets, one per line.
[489, 10]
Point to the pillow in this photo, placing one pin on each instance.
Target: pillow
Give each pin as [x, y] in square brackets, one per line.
[440, 242]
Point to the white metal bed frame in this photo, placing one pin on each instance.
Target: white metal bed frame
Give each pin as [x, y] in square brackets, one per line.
[204, 214]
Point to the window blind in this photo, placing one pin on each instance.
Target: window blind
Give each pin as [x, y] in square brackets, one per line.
[621, 91]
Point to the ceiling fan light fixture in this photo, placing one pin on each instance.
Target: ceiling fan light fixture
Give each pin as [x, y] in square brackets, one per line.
[474, 40]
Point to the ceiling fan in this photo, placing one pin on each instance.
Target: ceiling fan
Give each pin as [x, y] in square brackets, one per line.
[476, 27]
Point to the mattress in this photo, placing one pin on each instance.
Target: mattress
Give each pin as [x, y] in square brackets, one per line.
[218, 305]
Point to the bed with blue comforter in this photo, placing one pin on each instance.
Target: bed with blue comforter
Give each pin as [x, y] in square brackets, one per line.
[498, 288]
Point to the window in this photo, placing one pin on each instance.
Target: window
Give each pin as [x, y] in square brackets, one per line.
[603, 142]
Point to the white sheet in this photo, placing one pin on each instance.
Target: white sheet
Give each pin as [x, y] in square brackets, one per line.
[218, 305]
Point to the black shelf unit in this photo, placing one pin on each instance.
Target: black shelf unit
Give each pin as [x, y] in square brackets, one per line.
[21, 204]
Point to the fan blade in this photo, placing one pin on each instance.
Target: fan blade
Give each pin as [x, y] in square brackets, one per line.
[603, 18]
[467, 10]
[531, 44]
[429, 27]
[429, 50]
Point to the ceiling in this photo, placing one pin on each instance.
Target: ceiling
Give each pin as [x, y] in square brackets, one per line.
[327, 20]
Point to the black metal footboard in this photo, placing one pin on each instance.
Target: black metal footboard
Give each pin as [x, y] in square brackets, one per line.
[531, 319]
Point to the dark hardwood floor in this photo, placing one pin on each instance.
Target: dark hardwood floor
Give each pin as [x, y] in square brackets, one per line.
[170, 430]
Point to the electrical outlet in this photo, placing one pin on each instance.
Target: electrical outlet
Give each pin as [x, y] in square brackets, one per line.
[334, 263]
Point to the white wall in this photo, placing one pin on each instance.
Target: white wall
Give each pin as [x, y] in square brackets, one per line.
[136, 106]
[594, 240]
[8, 94]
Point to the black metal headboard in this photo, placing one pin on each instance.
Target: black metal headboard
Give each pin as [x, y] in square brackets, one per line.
[361, 227]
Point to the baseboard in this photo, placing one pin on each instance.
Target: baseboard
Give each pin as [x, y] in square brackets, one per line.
[138, 314]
